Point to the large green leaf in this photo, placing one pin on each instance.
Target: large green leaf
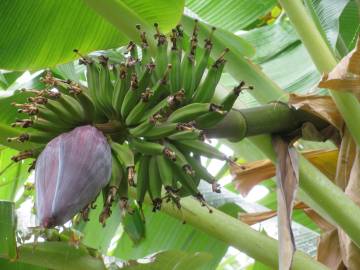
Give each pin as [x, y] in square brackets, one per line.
[7, 78]
[10, 265]
[36, 34]
[166, 233]
[93, 228]
[232, 15]
[12, 175]
[264, 39]
[326, 14]
[173, 260]
[59, 256]
[7, 230]
[348, 19]
[146, 13]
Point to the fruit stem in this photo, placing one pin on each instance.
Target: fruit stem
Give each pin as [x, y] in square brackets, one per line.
[267, 119]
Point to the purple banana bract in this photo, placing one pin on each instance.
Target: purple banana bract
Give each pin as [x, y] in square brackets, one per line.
[70, 173]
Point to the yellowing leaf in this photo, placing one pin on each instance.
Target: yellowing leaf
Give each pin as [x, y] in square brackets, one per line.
[322, 106]
[248, 175]
[346, 74]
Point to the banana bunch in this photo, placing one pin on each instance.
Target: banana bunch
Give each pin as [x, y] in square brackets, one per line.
[153, 110]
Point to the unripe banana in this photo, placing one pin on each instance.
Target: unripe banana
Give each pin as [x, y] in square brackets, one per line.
[175, 62]
[201, 66]
[111, 190]
[161, 131]
[35, 137]
[155, 184]
[137, 112]
[136, 88]
[193, 134]
[161, 52]
[106, 89]
[142, 179]
[165, 172]
[143, 128]
[120, 88]
[211, 118]
[202, 173]
[192, 111]
[145, 147]
[201, 148]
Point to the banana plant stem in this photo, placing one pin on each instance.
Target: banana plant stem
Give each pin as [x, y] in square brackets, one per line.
[271, 118]
[233, 232]
[324, 60]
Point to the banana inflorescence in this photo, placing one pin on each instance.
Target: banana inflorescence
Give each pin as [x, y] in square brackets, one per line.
[152, 109]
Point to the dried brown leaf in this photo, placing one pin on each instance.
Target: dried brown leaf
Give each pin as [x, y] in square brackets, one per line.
[253, 218]
[346, 74]
[322, 106]
[248, 175]
[328, 250]
[322, 223]
[287, 175]
[350, 252]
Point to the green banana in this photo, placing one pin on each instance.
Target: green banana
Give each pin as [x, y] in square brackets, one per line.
[106, 89]
[192, 111]
[117, 175]
[71, 105]
[206, 90]
[84, 99]
[161, 52]
[165, 106]
[193, 134]
[201, 148]
[145, 55]
[120, 88]
[92, 75]
[188, 65]
[161, 131]
[137, 87]
[180, 39]
[137, 112]
[210, 119]
[155, 184]
[161, 88]
[180, 160]
[143, 128]
[201, 66]
[166, 173]
[202, 173]
[187, 77]
[142, 179]
[187, 181]
[123, 194]
[126, 157]
[35, 137]
[175, 62]
[33, 153]
[146, 147]
[39, 124]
